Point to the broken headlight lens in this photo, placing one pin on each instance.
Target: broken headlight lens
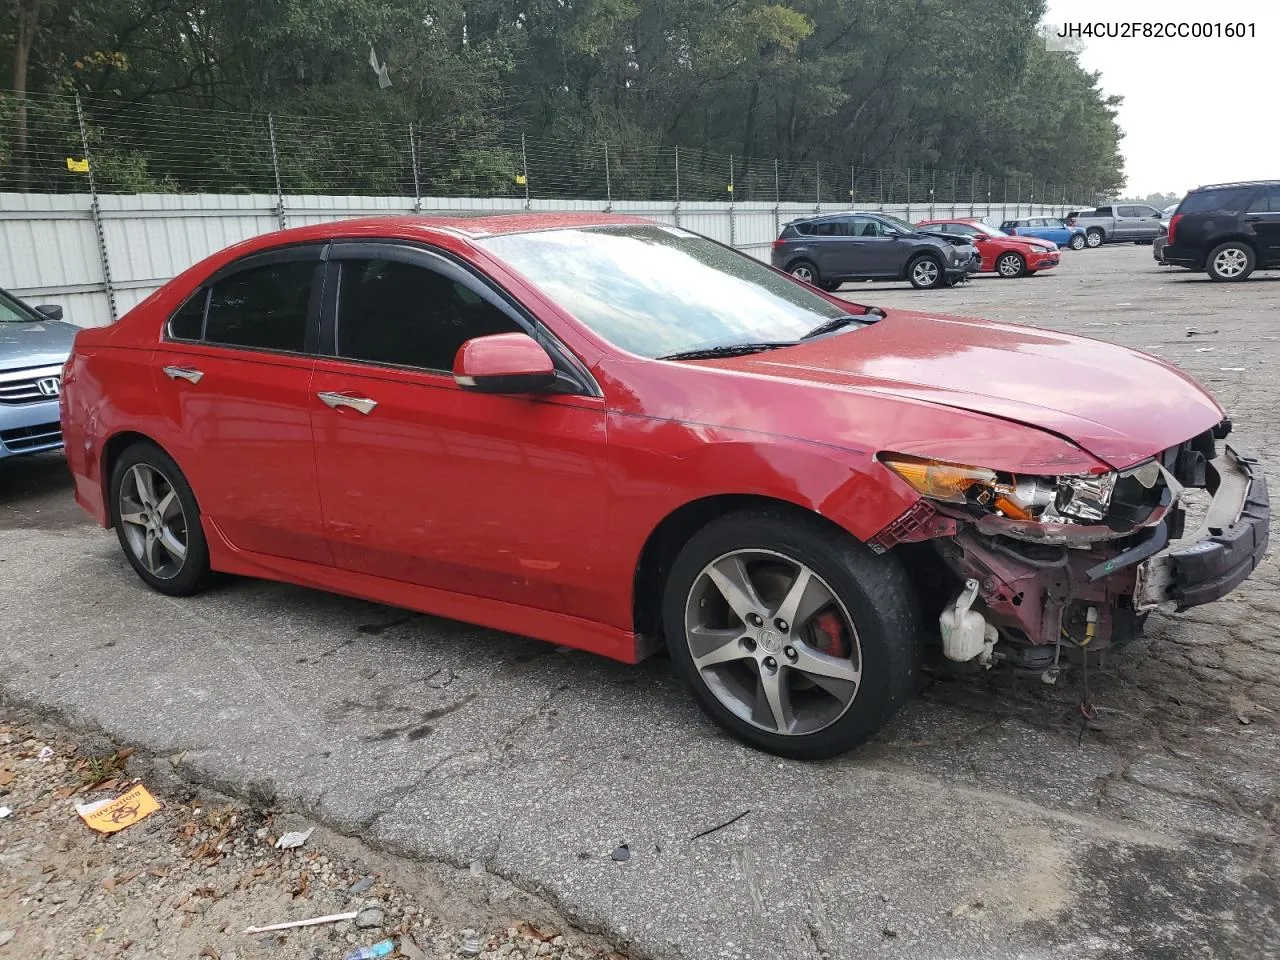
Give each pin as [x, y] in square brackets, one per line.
[1016, 496]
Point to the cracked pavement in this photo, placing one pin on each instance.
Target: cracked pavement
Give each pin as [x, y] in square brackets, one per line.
[981, 823]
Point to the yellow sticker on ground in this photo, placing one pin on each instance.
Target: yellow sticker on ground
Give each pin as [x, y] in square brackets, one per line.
[77, 166]
[121, 812]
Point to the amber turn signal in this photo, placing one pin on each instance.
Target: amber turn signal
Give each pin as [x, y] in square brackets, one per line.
[938, 480]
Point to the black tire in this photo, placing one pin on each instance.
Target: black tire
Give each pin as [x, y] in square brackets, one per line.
[193, 573]
[1077, 241]
[874, 591]
[918, 277]
[805, 271]
[831, 286]
[1010, 265]
[1094, 237]
[1030, 273]
[1230, 262]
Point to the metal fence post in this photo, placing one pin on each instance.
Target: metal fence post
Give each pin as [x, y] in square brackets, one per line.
[96, 213]
[676, 211]
[275, 166]
[908, 215]
[524, 166]
[777, 200]
[732, 230]
[818, 185]
[853, 183]
[608, 184]
[933, 186]
[413, 159]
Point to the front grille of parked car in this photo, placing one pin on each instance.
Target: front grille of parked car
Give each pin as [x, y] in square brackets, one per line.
[23, 386]
[31, 438]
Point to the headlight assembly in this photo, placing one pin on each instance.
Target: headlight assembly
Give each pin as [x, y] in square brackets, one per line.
[1038, 499]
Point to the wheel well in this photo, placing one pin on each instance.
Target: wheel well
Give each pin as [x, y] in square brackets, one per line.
[791, 264]
[1098, 230]
[1233, 238]
[111, 451]
[670, 536]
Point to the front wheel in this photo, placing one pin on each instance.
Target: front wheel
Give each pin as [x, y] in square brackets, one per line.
[1011, 265]
[925, 273]
[793, 636]
[157, 521]
[1077, 241]
[1230, 261]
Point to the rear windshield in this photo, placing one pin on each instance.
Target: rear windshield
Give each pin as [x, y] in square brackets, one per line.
[655, 290]
[1223, 199]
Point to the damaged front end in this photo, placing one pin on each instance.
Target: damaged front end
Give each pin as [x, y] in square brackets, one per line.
[1053, 566]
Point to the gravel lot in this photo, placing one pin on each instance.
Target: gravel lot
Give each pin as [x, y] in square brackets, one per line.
[983, 823]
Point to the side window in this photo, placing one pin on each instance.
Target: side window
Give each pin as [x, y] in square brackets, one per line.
[832, 228]
[405, 315]
[1127, 211]
[1267, 201]
[963, 229]
[865, 227]
[262, 307]
[1102, 212]
[1148, 212]
[188, 322]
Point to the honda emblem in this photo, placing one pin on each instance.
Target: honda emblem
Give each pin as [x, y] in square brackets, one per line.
[49, 386]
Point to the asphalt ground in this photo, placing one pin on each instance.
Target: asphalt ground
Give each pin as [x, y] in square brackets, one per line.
[983, 823]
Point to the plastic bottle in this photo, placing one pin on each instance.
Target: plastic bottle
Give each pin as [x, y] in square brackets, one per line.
[383, 948]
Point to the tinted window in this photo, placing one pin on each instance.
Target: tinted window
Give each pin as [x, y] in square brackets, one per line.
[867, 227]
[657, 290]
[831, 228]
[262, 307]
[1268, 201]
[804, 229]
[397, 313]
[1221, 200]
[188, 322]
[1101, 212]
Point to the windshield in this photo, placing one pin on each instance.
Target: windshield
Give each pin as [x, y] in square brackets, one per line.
[12, 311]
[655, 290]
[900, 224]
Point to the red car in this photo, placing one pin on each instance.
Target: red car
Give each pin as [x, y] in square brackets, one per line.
[615, 435]
[1001, 253]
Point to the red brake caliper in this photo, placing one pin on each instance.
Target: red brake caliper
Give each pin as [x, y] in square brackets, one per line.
[829, 634]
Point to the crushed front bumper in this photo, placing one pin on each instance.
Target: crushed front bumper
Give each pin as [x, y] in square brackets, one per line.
[1219, 555]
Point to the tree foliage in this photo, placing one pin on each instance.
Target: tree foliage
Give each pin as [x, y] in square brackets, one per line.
[892, 84]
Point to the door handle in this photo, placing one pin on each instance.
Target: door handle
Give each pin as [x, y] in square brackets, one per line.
[1252, 219]
[190, 374]
[335, 400]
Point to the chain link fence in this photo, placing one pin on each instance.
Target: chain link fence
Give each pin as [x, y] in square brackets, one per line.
[54, 143]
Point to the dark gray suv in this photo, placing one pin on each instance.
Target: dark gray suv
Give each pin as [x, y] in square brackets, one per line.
[833, 248]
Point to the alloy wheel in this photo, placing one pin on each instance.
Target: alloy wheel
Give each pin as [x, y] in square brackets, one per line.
[772, 642]
[154, 523]
[1230, 263]
[802, 272]
[1093, 239]
[1010, 265]
[1077, 242]
[925, 273]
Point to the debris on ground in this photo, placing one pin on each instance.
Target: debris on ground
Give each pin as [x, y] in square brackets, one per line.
[294, 839]
[189, 879]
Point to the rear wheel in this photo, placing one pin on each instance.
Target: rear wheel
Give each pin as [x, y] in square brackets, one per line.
[1077, 241]
[793, 637]
[925, 272]
[805, 271]
[1094, 237]
[157, 521]
[1010, 265]
[1230, 261]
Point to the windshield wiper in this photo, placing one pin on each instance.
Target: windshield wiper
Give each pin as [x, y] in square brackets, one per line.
[728, 350]
[836, 323]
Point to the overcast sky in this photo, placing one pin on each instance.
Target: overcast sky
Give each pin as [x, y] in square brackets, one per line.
[1195, 110]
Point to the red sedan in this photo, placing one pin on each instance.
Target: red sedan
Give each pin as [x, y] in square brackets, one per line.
[1002, 254]
[613, 434]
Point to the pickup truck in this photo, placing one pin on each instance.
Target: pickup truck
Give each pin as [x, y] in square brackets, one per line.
[1118, 223]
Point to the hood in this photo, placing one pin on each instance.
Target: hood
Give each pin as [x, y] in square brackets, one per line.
[1117, 404]
[35, 343]
[1027, 241]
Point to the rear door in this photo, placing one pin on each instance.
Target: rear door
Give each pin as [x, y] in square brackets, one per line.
[232, 376]
[831, 245]
[1263, 218]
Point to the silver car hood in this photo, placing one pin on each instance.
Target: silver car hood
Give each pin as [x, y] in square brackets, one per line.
[35, 343]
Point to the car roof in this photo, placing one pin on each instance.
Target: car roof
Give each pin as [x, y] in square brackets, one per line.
[955, 220]
[1236, 183]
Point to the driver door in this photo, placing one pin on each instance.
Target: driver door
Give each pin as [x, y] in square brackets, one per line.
[423, 482]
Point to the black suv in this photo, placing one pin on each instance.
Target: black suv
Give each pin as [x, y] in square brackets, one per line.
[832, 248]
[1227, 230]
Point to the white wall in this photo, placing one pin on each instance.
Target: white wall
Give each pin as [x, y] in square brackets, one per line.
[50, 250]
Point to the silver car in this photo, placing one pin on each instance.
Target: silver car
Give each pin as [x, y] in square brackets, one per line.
[34, 344]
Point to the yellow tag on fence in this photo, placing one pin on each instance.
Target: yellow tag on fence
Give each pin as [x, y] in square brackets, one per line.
[77, 166]
[521, 179]
[121, 812]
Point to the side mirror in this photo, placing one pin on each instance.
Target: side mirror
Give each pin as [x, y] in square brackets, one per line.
[50, 311]
[503, 363]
